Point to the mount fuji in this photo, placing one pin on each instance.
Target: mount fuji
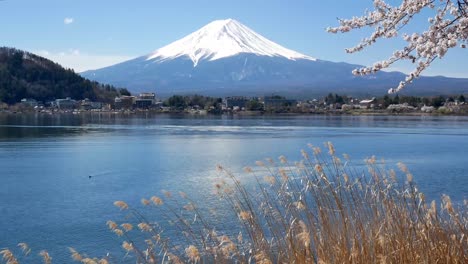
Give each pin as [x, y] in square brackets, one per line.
[226, 57]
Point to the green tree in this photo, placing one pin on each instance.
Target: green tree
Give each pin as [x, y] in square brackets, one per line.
[426, 101]
[277, 97]
[438, 101]
[122, 91]
[254, 105]
[339, 99]
[176, 101]
[330, 99]
[387, 101]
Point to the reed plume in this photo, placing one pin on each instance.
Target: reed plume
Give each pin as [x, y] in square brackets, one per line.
[317, 210]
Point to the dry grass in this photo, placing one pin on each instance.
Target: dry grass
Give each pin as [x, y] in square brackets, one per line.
[318, 210]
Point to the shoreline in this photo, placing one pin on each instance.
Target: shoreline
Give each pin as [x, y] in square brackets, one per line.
[240, 113]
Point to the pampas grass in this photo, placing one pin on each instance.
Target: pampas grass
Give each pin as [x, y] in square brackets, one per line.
[321, 209]
[318, 210]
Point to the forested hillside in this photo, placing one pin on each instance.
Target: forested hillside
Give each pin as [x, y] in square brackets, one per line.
[25, 75]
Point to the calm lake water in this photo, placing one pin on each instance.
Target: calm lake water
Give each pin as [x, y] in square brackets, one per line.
[48, 200]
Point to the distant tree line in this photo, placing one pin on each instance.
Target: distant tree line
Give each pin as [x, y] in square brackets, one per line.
[336, 99]
[25, 75]
[181, 102]
[387, 100]
[436, 101]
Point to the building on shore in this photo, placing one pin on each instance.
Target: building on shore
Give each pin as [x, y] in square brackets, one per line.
[124, 102]
[235, 101]
[278, 103]
[367, 103]
[145, 101]
[87, 104]
[148, 96]
[65, 104]
[142, 101]
[3, 106]
[29, 102]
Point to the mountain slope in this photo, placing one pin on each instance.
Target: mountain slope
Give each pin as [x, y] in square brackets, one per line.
[25, 75]
[227, 58]
[221, 39]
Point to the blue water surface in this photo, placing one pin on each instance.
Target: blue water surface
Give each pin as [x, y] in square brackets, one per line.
[48, 199]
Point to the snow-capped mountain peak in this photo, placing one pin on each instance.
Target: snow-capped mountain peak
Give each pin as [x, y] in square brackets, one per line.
[221, 39]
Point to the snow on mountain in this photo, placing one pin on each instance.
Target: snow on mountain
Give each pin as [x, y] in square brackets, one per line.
[221, 39]
[227, 58]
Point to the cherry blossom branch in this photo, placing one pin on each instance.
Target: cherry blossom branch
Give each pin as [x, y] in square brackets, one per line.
[447, 29]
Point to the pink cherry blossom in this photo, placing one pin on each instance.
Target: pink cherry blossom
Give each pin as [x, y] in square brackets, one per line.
[447, 29]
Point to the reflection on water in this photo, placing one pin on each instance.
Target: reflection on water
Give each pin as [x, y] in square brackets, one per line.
[54, 125]
[48, 199]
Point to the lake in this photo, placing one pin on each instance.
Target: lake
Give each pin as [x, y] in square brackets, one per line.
[49, 200]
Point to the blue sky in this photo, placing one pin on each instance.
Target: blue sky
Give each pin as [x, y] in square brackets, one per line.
[85, 34]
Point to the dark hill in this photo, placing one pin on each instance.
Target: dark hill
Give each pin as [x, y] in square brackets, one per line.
[25, 75]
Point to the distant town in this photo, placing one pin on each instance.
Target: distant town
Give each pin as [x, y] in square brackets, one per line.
[274, 104]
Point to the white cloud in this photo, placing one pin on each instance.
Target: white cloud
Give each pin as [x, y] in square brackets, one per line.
[68, 20]
[81, 61]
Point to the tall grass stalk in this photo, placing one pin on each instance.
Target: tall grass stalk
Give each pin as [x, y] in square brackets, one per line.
[320, 210]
